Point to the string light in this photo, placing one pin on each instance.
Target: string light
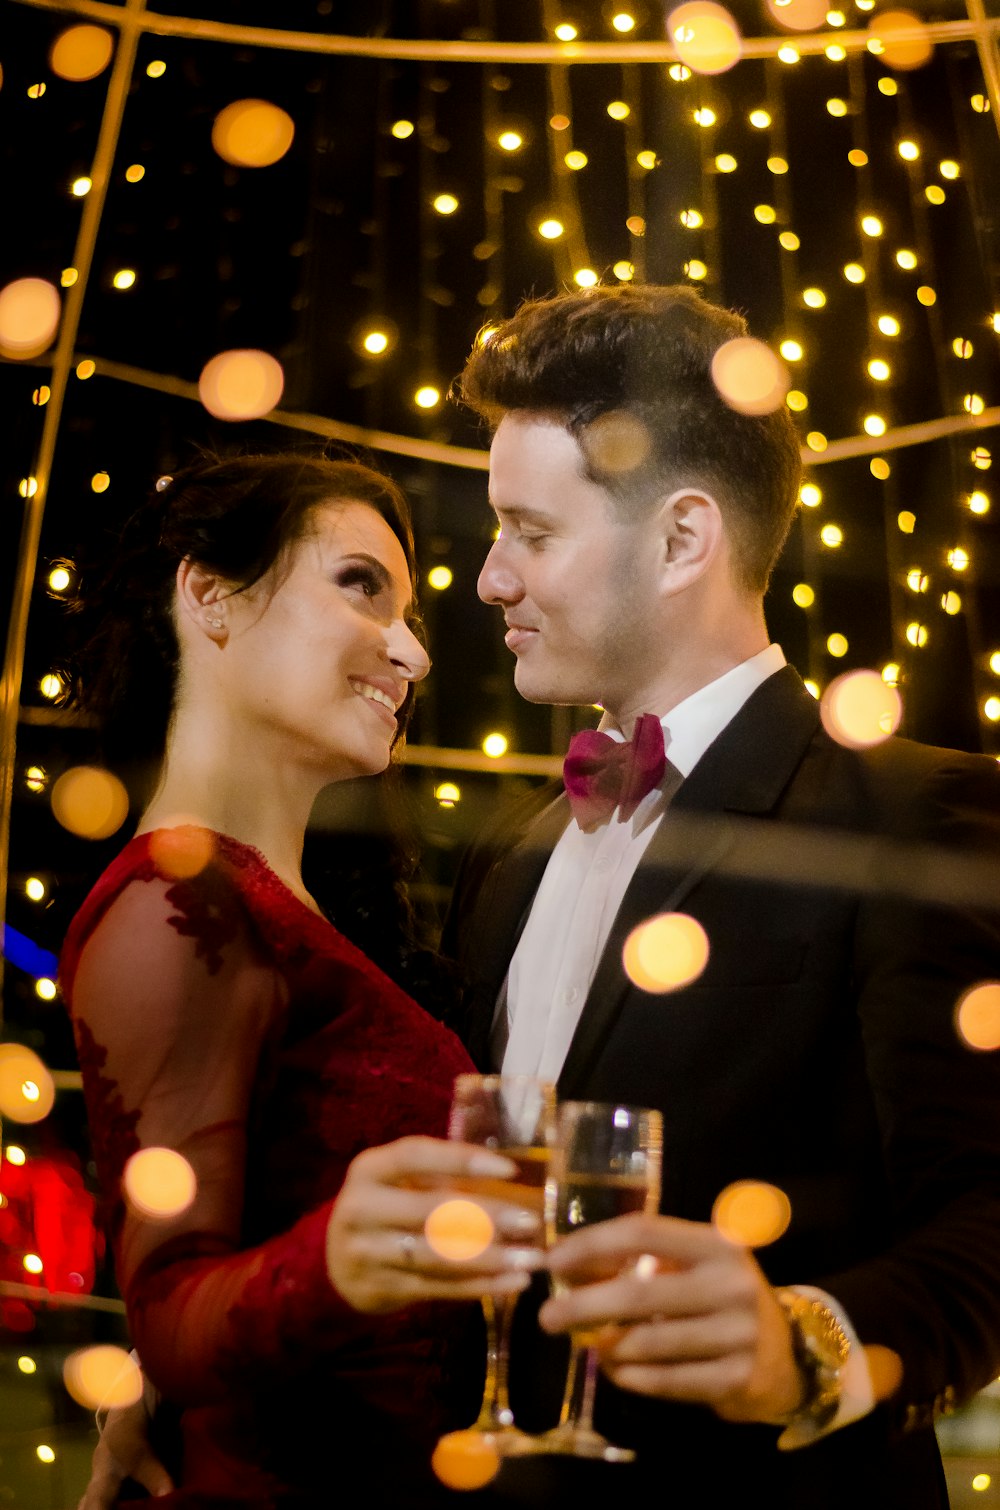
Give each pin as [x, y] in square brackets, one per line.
[888, 87]
[837, 107]
[759, 119]
[917, 579]
[835, 52]
[445, 204]
[34, 888]
[958, 559]
[375, 342]
[402, 129]
[879, 468]
[252, 133]
[440, 578]
[618, 110]
[837, 645]
[926, 295]
[623, 22]
[979, 502]
[635, 225]
[816, 440]
[810, 495]
[909, 151]
[934, 194]
[495, 745]
[625, 271]
[888, 325]
[678, 72]
[447, 793]
[510, 141]
[586, 277]
[857, 158]
[156, 69]
[803, 595]
[871, 225]
[695, 270]
[765, 214]
[832, 536]
[874, 424]
[791, 351]
[973, 403]
[788, 54]
[692, 219]
[68, 277]
[879, 370]
[704, 116]
[949, 168]
[777, 166]
[906, 259]
[906, 521]
[962, 348]
[981, 458]
[566, 32]
[575, 160]
[559, 122]
[916, 635]
[951, 602]
[551, 229]
[427, 397]
[854, 272]
[788, 241]
[796, 400]
[135, 173]
[81, 186]
[726, 163]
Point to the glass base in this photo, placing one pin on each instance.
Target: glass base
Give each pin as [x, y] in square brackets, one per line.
[509, 1441]
[577, 1442]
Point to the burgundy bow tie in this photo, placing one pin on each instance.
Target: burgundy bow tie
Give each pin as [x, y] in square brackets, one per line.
[601, 773]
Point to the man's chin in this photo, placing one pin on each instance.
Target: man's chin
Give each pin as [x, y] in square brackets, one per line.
[535, 686]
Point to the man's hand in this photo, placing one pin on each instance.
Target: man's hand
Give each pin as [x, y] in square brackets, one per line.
[124, 1452]
[687, 1315]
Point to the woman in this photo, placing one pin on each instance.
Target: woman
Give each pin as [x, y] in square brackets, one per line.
[260, 609]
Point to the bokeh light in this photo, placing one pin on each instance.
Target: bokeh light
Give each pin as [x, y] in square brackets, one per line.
[183, 850]
[837, 645]
[977, 1016]
[798, 15]
[427, 396]
[81, 52]
[27, 1090]
[901, 39]
[90, 802]
[860, 709]
[29, 316]
[705, 36]
[440, 577]
[752, 1213]
[803, 596]
[241, 385]
[666, 952]
[458, 1230]
[252, 133]
[159, 1183]
[465, 1460]
[102, 1377]
[616, 442]
[749, 377]
[495, 745]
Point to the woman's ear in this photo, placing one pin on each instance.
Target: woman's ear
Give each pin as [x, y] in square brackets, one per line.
[692, 535]
[201, 597]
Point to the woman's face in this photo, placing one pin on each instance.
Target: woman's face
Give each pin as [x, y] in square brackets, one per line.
[320, 663]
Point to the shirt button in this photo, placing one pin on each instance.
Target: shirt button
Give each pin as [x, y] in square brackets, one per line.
[571, 995]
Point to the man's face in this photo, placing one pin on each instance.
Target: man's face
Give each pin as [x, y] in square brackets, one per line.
[577, 584]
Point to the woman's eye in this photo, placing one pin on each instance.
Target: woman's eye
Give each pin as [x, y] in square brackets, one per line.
[362, 578]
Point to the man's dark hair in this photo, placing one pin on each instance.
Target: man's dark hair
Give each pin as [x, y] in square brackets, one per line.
[628, 371]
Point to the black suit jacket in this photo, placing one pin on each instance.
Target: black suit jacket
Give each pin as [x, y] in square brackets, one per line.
[849, 897]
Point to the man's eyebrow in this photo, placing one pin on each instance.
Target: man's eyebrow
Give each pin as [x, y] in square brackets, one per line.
[520, 513]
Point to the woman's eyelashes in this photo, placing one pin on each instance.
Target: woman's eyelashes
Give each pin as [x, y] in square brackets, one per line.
[364, 576]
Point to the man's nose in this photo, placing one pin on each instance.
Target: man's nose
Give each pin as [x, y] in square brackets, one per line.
[497, 582]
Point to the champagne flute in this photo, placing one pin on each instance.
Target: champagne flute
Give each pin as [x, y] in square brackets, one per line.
[513, 1115]
[607, 1163]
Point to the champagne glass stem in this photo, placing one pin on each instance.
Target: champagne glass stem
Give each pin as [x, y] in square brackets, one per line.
[495, 1412]
[570, 1405]
[585, 1419]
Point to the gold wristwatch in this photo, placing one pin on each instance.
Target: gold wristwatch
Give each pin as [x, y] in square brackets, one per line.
[820, 1346]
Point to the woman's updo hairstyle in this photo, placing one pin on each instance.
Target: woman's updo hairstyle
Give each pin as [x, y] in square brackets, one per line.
[236, 516]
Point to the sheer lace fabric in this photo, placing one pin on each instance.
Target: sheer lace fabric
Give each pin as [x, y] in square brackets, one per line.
[219, 1016]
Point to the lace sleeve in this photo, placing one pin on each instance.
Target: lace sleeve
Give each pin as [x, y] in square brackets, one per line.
[173, 1005]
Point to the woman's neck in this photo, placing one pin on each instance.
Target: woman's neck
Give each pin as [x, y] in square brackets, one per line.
[261, 802]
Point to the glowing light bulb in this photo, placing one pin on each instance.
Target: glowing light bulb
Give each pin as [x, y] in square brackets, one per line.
[695, 270]
[619, 111]
[692, 219]
[908, 151]
[880, 468]
[551, 229]
[510, 140]
[427, 397]
[832, 536]
[837, 107]
[34, 888]
[854, 272]
[789, 241]
[566, 32]
[979, 502]
[726, 163]
[760, 119]
[575, 161]
[624, 271]
[934, 194]
[445, 204]
[906, 521]
[949, 168]
[440, 577]
[906, 259]
[791, 351]
[874, 424]
[871, 225]
[803, 595]
[623, 22]
[879, 370]
[814, 298]
[704, 116]
[135, 173]
[375, 342]
[81, 186]
[765, 214]
[916, 635]
[837, 645]
[495, 745]
[585, 277]
[402, 129]
[857, 158]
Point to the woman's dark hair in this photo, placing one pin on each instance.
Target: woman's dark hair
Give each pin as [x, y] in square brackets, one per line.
[237, 516]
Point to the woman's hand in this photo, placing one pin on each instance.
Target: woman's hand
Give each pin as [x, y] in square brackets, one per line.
[123, 1452]
[377, 1256]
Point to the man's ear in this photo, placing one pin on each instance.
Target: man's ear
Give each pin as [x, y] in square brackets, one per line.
[201, 597]
[692, 536]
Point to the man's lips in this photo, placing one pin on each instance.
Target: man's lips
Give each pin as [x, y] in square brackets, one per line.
[518, 636]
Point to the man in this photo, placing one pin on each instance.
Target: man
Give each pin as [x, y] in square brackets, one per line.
[640, 518]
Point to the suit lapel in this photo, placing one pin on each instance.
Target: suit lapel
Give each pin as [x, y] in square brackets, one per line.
[744, 772]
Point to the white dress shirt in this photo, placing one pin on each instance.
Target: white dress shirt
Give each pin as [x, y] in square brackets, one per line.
[586, 879]
[576, 903]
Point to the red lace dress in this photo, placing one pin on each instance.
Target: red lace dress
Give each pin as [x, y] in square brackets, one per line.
[219, 1016]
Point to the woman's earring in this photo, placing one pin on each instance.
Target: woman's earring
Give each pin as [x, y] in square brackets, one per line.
[216, 623]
